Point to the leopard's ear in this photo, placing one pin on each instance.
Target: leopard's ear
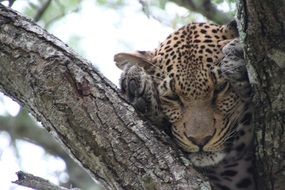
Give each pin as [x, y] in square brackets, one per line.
[140, 58]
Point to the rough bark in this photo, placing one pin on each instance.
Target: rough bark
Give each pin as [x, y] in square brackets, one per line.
[262, 29]
[85, 112]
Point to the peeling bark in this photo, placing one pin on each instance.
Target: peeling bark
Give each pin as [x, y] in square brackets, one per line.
[262, 30]
[86, 113]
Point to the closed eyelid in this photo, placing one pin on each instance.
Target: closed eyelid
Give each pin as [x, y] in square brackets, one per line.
[173, 97]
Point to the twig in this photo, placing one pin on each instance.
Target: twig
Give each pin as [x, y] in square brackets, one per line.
[61, 14]
[11, 2]
[42, 10]
[29, 180]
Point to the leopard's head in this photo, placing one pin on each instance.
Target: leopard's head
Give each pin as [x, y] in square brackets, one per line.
[195, 94]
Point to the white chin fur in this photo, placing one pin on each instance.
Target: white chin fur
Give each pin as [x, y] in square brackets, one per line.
[206, 159]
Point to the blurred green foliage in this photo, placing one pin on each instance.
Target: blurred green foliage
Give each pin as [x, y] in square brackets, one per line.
[111, 3]
[47, 12]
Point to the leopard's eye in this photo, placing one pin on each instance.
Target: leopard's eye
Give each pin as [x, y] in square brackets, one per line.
[221, 87]
[172, 97]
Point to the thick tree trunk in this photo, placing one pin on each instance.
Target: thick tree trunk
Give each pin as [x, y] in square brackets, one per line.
[86, 113]
[263, 33]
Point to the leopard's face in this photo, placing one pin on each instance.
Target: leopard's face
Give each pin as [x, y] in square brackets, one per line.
[203, 125]
[201, 105]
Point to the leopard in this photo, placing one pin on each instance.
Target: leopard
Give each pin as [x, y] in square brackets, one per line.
[195, 84]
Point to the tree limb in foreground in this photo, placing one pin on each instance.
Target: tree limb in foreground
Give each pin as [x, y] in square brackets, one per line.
[85, 112]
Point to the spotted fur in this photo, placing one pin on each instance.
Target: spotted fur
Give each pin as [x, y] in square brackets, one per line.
[196, 81]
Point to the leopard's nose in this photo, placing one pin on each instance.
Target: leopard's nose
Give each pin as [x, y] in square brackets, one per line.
[200, 141]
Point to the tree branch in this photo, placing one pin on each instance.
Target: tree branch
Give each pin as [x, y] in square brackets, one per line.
[29, 180]
[85, 111]
[207, 9]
